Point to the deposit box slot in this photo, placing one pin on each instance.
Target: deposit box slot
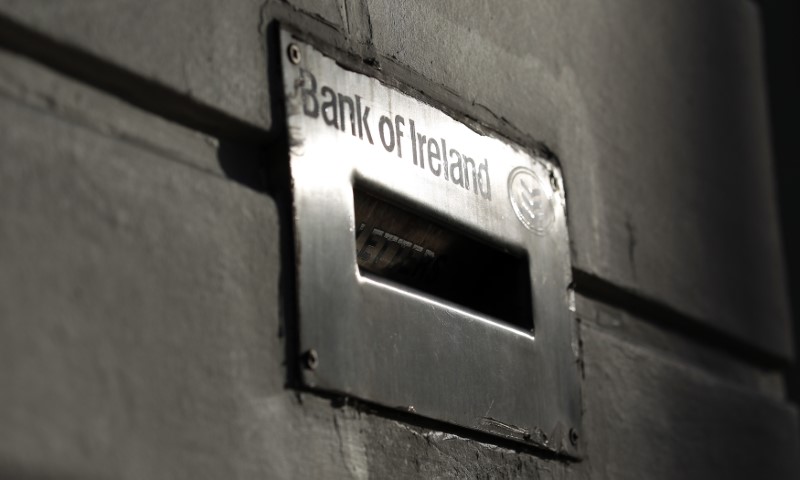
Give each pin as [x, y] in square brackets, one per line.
[393, 243]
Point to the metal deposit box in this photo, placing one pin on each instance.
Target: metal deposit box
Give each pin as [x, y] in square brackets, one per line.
[433, 259]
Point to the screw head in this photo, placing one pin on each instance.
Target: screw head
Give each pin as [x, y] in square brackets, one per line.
[573, 436]
[293, 51]
[311, 359]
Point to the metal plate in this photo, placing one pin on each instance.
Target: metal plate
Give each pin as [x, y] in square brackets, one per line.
[393, 344]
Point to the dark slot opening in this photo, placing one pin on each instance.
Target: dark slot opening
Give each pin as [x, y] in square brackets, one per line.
[395, 244]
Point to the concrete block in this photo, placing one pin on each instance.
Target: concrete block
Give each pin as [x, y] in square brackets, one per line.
[136, 290]
[214, 53]
[651, 415]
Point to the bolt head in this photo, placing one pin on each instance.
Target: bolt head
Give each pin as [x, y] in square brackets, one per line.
[293, 51]
[573, 436]
[311, 359]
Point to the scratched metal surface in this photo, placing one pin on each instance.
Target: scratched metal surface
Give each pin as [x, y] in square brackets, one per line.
[391, 344]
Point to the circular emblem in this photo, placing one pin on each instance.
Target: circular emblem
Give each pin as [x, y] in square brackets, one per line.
[531, 200]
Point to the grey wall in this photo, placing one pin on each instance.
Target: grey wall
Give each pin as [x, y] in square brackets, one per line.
[143, 268]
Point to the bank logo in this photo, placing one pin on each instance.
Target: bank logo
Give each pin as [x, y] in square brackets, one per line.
[531, 200]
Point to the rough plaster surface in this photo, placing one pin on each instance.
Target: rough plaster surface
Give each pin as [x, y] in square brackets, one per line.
[211, 52]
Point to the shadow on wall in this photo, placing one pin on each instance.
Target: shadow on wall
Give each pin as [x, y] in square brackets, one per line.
[780, 19]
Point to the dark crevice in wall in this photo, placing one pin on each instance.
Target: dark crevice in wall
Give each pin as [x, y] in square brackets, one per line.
[669, 319]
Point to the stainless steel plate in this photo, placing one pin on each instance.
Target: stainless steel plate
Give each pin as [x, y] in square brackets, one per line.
[433, 260]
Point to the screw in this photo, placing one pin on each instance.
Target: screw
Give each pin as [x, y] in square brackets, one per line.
[294, 53]
[311, 359]
[573, 436]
